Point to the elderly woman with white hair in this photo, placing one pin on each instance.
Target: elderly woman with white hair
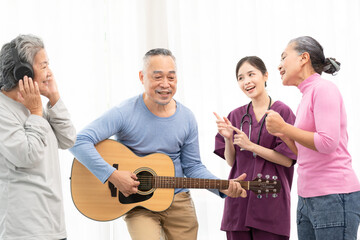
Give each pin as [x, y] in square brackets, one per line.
[31, 202]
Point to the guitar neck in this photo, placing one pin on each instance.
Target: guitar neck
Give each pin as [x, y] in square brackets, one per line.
[178, 182]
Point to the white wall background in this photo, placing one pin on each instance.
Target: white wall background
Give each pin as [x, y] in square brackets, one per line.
[96, 46]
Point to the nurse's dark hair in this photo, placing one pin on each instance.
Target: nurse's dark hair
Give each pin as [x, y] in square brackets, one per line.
[254, 61]
[316, 52]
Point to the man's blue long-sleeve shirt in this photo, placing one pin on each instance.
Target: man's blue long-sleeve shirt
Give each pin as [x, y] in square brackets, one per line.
[132, 124]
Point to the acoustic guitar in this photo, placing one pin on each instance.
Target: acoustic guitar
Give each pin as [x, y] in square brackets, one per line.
[103, 202]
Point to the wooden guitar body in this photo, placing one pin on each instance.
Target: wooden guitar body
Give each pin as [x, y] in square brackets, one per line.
[94, 199]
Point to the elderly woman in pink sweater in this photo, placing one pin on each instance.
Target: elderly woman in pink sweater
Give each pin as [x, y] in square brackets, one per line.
[328, 189]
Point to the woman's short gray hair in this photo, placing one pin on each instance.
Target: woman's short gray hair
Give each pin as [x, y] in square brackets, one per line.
[317, 57]
[27, 47]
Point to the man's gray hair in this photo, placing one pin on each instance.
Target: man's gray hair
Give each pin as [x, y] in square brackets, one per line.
[157, 52]
[27, 47]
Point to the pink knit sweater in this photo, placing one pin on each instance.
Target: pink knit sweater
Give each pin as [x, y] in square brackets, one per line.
[328, 170]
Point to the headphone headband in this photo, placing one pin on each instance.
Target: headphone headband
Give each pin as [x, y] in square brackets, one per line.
[15, 54]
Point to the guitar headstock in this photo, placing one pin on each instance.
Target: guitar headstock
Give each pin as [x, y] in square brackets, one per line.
[262, 186]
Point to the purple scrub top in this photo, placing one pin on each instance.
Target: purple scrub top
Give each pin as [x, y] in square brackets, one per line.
[268, 213]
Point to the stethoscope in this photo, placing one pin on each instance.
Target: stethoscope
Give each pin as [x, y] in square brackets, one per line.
[249, 121]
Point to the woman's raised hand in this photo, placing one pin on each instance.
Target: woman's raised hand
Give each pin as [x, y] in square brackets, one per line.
[224, 126]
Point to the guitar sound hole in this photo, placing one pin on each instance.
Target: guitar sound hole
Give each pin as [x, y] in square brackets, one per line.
[146, 181]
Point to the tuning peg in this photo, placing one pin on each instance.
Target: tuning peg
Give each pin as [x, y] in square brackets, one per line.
[259, 196]
[267, 177]
[259, 175]
[274, 195]
[274, 178]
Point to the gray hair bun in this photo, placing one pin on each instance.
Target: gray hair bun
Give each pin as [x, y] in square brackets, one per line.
[331, 66]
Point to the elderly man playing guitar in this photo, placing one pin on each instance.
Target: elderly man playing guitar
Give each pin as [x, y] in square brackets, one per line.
[152, 122]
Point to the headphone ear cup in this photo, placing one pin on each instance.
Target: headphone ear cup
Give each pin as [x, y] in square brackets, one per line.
[23, 69]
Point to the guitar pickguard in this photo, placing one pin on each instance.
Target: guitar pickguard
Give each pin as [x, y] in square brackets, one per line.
[134, 198]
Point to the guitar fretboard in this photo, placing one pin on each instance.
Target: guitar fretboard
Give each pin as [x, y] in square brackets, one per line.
[178, 182]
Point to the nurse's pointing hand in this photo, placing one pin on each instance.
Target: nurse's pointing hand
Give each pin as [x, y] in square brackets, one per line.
[241, 139]
[223, 125]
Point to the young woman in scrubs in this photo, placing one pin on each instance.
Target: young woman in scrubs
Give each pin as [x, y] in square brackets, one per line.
[246, 145]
